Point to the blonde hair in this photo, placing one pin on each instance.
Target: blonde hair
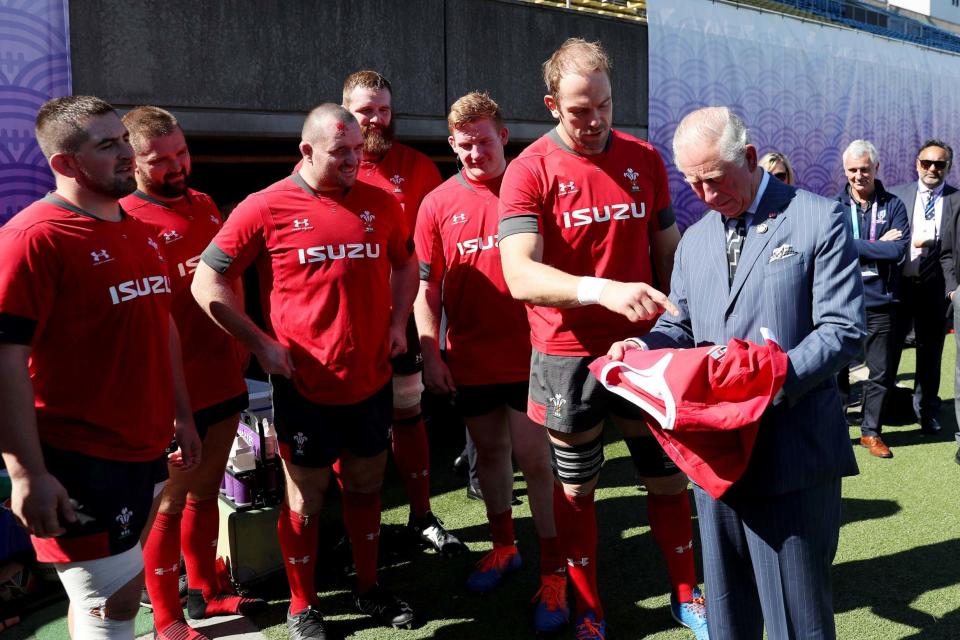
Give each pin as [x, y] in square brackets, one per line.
[770, 160]
[474, 106]
[147, 123]
[576, 55]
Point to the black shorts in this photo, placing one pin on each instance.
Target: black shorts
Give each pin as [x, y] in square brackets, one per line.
[411, 360]
[478, 399]
[209, 416]
[314, 435]
[565, 397]
[113, 500]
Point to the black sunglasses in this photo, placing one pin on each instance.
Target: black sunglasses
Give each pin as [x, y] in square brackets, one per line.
[781, 176]
[939, 164]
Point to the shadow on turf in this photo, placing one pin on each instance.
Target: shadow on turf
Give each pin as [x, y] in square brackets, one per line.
[887, 585]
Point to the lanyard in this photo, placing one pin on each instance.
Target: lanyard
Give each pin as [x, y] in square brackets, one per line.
[855, 217]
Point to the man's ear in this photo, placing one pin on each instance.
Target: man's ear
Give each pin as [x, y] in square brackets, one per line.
[64, 164]
[306, 151]
[751, 154]
[552, 105]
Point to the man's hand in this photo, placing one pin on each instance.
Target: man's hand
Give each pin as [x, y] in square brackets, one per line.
[189, 445]
[437, 377]
[920, 242]
[398, 339]
[636, 300]
[275, 359]
[41, 505]
[619, 349]
[891, 235]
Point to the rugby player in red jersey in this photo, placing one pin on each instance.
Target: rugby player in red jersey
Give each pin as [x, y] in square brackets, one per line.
[183, 223]
[91, 383]
[487, 348]
[409, 176]
[585, 225]
[338, 279]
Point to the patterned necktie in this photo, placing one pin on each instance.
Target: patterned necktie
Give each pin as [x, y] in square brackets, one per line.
[929, 209]
[736, 232]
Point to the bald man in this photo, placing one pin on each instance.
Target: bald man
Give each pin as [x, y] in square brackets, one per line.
[337, 263]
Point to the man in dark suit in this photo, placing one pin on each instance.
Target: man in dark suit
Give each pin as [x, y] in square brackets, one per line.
[950, 255]
[768, 256]
[930, 202]
[880, 227]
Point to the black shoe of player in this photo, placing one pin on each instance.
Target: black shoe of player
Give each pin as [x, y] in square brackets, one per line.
[308, 625]
[433, 535]
[385, 608]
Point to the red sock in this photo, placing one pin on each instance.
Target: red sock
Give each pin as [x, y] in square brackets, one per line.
[299, 536]
[361, 516]
[671, 527]
[412, 455]
[161, 563]
[551, 556]
[501, 528]
[198, 535]
[576, 518]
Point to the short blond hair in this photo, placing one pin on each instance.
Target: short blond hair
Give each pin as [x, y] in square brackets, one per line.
[474, 106]
[576, 55]
[365, 79]
[148, 122]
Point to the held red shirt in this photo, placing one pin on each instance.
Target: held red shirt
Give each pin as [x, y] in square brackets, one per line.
[92, 300]
[404, 172]
[596, 215]
[488, 339]
[213, 361]
[324, 264]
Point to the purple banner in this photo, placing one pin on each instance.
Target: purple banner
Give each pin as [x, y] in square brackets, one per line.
[34, 67]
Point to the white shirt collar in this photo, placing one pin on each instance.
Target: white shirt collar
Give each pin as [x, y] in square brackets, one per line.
[752, 209]
[923, 189]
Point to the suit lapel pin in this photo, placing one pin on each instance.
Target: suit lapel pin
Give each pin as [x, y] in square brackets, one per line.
[762, 227]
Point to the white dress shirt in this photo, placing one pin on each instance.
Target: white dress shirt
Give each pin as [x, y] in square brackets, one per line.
[920, 227]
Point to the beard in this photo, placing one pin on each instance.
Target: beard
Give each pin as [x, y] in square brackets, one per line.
[376, 140]
[166, 189]
[113, 186]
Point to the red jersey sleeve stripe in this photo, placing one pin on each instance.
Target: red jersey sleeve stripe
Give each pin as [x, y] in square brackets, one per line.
[215, 258]
[16, 329]
[518, 224]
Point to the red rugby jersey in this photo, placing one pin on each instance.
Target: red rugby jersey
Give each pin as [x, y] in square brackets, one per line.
[406, 173]
[596, 215]
[324, 264]
[92, 300]
[488, 340]
[213, 361]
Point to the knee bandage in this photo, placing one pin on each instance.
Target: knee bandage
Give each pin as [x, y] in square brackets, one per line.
[407, 390]
[579, 463]
[89, 584]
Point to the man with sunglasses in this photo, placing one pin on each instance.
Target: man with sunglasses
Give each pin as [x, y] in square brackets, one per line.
[930, 201]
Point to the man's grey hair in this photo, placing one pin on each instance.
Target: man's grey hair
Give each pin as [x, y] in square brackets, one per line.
[860, 148]
[714, 124]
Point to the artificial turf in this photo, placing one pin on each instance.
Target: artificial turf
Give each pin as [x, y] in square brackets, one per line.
[896, 574]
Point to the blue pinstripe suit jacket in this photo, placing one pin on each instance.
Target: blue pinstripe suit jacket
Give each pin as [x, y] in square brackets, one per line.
[812, 300]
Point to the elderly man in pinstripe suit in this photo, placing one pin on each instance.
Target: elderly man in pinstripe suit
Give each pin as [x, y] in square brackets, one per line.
[768, 255]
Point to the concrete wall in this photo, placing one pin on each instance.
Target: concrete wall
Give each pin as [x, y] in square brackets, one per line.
[254, 67]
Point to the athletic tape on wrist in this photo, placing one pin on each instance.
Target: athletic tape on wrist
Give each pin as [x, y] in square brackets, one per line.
[589, 289]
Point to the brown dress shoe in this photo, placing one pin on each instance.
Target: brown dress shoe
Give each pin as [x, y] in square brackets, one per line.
[876, 446]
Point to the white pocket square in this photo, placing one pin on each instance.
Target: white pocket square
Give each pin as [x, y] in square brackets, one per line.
[781, 252]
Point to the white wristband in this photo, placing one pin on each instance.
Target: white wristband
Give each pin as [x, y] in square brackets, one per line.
[638, 343]
[589, 289]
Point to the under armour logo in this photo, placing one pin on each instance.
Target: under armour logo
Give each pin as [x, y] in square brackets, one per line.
[567, 187]
[372, 536]
[557, 402]
[301, 224]
[458, 218]
[296, 561]
[171, 236]
[683, 549]
[100, 257]
[214, 219]
[368, 219]
[159, 571]
[578, 562]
